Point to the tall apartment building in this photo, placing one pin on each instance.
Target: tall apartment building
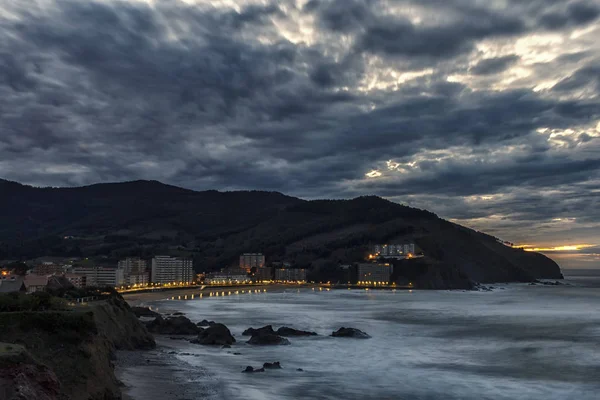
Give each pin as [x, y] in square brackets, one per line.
[290, 274]
[101, 276]
[374, 273]
[167, 269]
[135, 270]
[133, 265]
[252, 260]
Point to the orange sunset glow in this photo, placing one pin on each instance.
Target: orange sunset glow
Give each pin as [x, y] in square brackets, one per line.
[570, 247]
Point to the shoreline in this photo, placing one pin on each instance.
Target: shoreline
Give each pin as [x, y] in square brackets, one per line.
[139, 298]
[158, 374]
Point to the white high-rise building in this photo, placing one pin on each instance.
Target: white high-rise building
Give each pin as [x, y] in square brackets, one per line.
[133, 265]
[101, 276]
[166, 269]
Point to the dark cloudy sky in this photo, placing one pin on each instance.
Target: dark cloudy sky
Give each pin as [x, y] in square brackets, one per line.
[483, 111]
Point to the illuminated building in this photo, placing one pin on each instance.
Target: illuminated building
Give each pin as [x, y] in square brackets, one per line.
[374, 273]
[133, 265]
[167, 269]
[101, 276]
[264, 274]
[223, 278]
[392, 250]
[135, 270]
[290, 274]
[252, 260]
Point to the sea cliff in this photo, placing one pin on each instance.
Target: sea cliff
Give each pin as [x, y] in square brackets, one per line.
[73, 348]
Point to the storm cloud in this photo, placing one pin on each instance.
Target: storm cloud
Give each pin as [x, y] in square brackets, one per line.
[484, 112]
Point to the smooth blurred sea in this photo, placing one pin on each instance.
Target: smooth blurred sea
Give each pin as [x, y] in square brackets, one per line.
[515, 342]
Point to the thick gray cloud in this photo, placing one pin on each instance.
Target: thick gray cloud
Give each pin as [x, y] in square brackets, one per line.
[493, 65]
[481, 111]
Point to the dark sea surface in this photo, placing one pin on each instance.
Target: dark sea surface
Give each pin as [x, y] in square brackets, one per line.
[514, 342]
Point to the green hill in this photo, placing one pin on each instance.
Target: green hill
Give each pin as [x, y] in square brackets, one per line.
[110, 221]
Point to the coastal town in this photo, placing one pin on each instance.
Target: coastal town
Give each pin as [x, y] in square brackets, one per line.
[163, 272]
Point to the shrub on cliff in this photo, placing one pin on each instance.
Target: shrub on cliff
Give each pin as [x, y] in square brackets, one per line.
[38, 301]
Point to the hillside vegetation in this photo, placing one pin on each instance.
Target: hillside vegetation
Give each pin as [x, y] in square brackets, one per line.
[143, 218]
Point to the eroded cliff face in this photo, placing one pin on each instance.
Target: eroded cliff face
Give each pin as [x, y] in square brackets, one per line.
[76, 346]
[22, 377]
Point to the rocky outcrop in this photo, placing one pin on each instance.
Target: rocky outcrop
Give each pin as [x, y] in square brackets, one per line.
[173, 326]
[274, 365]
[24, 378]
[250, 369]
[77, 346]
[116, 321]
[267, 339]
[217, 334]
[285, 331]
[205, 322]
[264, 330]
[144, 312]
[350, 332]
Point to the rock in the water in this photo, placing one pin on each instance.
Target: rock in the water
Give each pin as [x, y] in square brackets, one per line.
[350, 332]
[259, 331]
[226, 346]
[173, 326]
[300, 370]
[274, 365]
[251, 369]
[144, 312]
[205, 323]
[266, 339]
[217, 334]
[285, 331]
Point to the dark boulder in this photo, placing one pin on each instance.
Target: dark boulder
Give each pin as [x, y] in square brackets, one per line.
[144, 312]
[205, 323]
[173, 326]
[268, 339]
[251, 369]
[350, 332]
[285, 331]
[217, 334]
[264, 330]
[274, 365]
[177, 314]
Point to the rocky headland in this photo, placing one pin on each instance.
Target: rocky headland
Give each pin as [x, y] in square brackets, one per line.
[67, 354]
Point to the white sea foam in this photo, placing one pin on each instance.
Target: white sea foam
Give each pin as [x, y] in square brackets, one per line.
[524, 342]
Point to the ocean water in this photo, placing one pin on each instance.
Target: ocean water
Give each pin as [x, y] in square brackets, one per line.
[515, 342]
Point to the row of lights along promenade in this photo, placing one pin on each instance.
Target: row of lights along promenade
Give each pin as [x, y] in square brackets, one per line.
[151, 287]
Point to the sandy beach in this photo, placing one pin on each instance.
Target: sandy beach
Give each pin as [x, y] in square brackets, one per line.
[140, 298]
